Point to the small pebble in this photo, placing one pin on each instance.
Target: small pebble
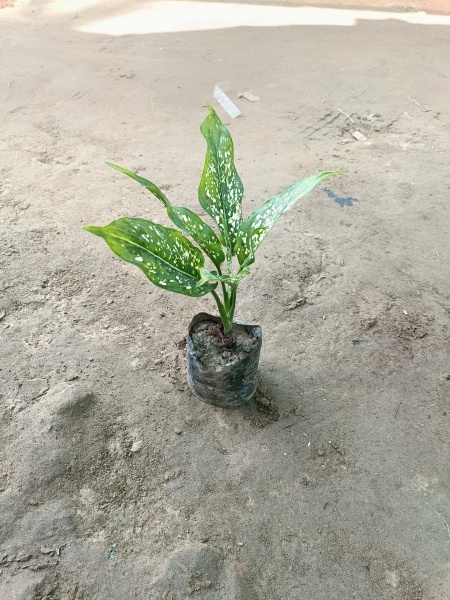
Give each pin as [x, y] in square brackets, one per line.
[136, 446]
[178, 431]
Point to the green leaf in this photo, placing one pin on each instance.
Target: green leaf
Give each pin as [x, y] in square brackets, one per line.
[221, 190]
[151, 187]
[183, 218]
[213, 277]
[202, 233]
[255, 228]
[166, 257]
[248, 254]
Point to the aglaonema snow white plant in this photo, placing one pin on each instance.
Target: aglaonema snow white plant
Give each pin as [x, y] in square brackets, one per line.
[172, 261]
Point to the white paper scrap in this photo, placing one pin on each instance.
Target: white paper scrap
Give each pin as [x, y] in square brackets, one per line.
[225, 102]
[359, 136]
[250, 96]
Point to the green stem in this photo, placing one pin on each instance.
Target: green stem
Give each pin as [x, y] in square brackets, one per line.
[227, 323]
[225, 295]
[229, 263]
[224, 289]
[232, 304]
[228, 305]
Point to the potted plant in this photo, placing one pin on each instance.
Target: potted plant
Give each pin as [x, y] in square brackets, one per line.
[223, 353]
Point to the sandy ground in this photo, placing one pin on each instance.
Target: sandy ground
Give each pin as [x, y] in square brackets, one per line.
[334, 483]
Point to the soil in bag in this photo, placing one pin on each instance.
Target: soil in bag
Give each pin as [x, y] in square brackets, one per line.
[223, 371]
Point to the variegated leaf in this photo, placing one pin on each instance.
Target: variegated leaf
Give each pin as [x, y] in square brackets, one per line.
[212, 277]
[183, 218]
[248, 254]
[221, 190]
[255, 228]
[166, 257]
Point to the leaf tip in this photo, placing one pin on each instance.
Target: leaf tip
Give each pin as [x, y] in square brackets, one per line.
[93, 229]
[113, 166]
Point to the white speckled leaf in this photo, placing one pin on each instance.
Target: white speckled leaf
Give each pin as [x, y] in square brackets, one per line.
[166, 257]
[247, 254]
[183, 218]
[221, 190]
[255, 228]
[202, 233]
[212, 276]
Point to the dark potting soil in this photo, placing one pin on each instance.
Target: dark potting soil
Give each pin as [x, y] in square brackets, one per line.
[215, 357]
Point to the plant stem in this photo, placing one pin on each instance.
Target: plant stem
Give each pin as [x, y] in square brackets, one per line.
[225, 295]
[229, 261]
[233, 303]
[224, 314]
[226, 306]
[224, 289]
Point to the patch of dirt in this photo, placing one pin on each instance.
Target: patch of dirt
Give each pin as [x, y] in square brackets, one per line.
[390, 334]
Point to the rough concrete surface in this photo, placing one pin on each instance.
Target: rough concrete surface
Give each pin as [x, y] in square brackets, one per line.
[117, 483]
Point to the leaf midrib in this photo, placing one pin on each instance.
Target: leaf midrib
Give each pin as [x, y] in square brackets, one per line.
[155, 255]
[222, 203]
